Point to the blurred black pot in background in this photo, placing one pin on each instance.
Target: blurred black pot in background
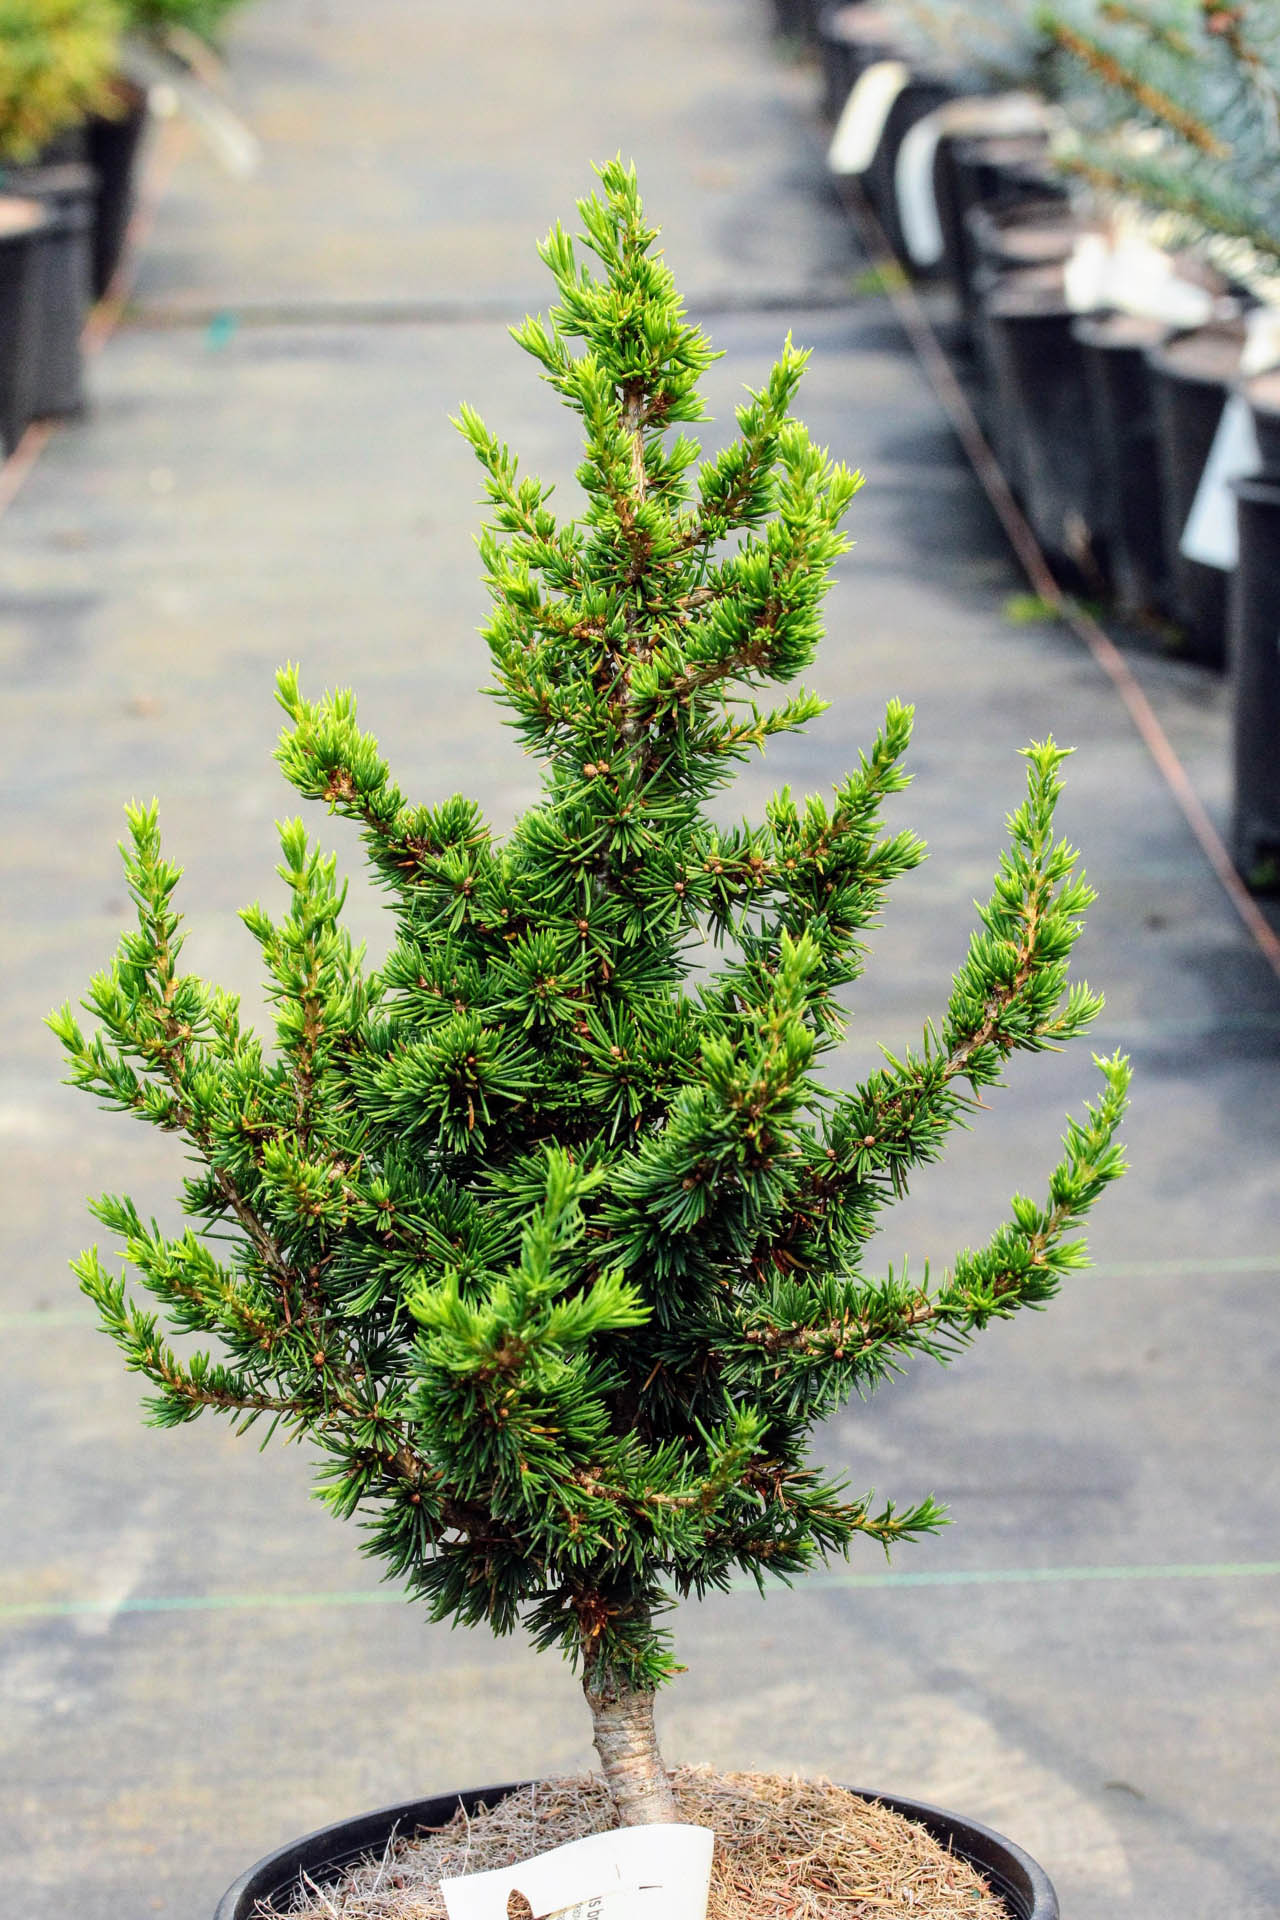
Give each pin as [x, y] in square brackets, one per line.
[1191, 375]
[1255, 658]
[23, 223]
[112, 148]
[1041, 405]
[1122, 416]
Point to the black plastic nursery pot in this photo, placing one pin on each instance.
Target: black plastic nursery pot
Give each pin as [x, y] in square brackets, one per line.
[979, 171]
[1003, 166]
[64, 269]
[1263, 396]
[1042, 414]
[1020, 1881]
[1007, 237]
[113, 144]
[1122, 414]
[954, 196]
[992, 394]
[1255, 656]
[1191, 375]
[22, 224]
[1010, 235]
[72, 144]
[851, 38]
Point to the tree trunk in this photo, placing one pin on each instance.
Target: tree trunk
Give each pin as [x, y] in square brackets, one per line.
[628, 1749]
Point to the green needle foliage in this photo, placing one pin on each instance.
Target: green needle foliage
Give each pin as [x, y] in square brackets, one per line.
[554, 1248]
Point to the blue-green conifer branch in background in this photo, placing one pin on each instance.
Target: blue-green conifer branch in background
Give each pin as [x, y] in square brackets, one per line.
[1175, 105]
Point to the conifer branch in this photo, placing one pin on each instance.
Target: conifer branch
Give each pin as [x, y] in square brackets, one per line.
[1176, 108]
[1112, 73]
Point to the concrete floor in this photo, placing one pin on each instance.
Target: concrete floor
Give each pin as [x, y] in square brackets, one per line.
[195, 1662]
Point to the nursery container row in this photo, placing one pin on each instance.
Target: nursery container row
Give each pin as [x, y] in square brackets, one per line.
[1120, 389]
[75, 76]
[62, 225]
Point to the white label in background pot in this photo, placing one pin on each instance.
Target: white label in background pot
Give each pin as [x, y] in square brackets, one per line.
[1084, 277]
[654, 1872]
[913, 189]
[858, 130]
[1261, 352]
[1130, 275]
[1211, 534]
[1143, 280]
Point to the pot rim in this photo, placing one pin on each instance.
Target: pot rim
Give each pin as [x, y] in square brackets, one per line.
[1020, 1880]
[1258, 489]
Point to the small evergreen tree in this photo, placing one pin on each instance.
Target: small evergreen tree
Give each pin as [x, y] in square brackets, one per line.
[552, 1249]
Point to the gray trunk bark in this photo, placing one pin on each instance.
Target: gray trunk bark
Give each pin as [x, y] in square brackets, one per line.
[628, 1749]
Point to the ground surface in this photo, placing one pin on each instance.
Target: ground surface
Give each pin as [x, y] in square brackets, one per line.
[196, 1663]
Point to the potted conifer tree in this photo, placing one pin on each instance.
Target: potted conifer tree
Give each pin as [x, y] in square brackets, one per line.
[553, 1251]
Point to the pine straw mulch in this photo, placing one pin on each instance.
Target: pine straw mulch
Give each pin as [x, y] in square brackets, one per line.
[785, 1850]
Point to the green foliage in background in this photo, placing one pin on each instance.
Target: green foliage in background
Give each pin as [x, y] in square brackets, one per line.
[983, 43]
[547, 1235]
[158, 18]
[57, 59]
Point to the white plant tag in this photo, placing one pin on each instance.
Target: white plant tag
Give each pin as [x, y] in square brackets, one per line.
[1129, 275]
[1211, 535]
[913, 187]
[654, 1872]
[858, 130]
[1261, 342]
[1143, 280]
[1084, 277]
